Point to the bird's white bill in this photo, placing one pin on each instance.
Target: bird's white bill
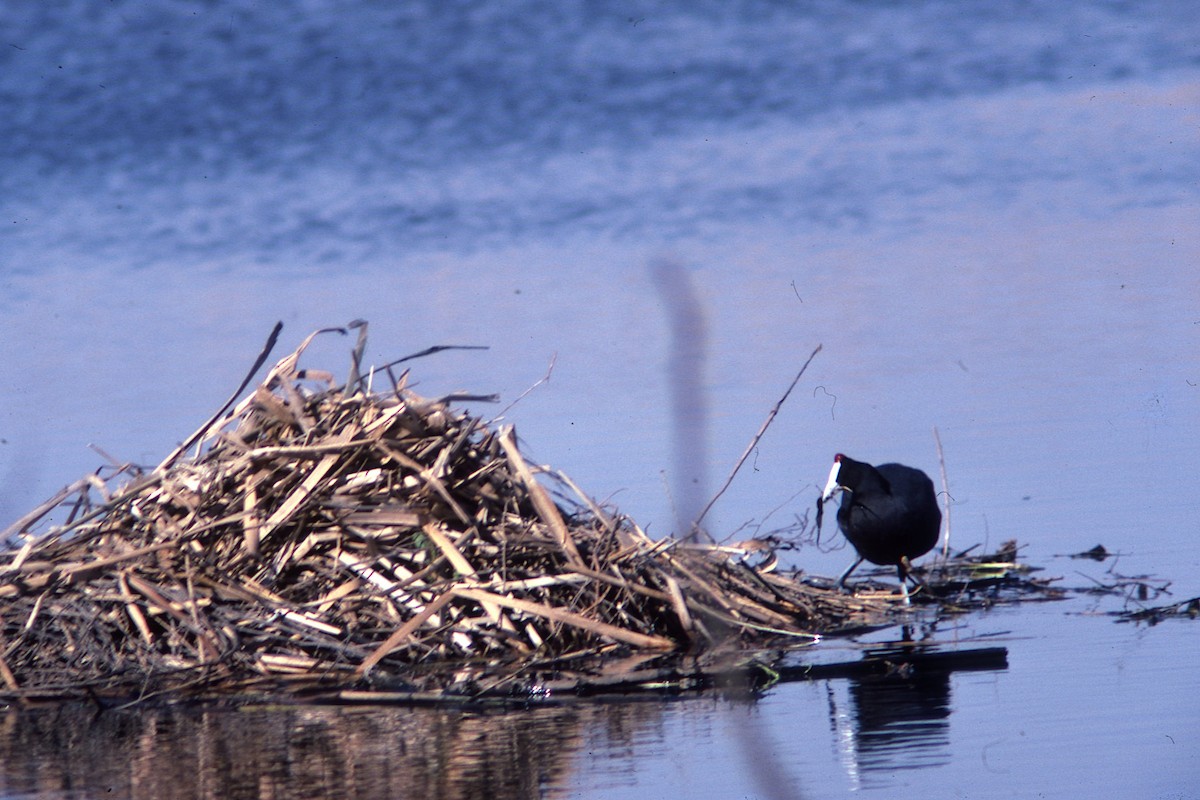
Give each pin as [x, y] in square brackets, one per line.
[831, 486]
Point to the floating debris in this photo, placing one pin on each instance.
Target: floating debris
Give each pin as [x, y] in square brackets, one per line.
[971, 581]
[1185, 609]
[963, 581]
[1097, 553]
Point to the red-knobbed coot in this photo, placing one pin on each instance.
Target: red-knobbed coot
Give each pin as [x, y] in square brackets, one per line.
[889, 513]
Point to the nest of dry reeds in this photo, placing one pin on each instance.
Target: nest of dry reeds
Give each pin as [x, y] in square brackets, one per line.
[317, 536]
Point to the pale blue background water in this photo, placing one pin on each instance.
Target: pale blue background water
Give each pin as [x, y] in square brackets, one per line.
[986, 215]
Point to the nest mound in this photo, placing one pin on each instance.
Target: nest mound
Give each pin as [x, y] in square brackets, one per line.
[326, 537]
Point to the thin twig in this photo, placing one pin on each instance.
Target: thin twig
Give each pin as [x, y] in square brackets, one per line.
[754, 442]
[544, 379]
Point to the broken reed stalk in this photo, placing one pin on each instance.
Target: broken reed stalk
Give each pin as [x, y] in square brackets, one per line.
[945, 492]
[258, 362]
[323, 536]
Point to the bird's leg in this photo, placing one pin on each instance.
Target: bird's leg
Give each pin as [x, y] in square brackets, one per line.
[903, 581]
[841, 582]
[907, 567]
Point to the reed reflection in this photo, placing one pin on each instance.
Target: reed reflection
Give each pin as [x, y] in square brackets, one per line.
[308, 752]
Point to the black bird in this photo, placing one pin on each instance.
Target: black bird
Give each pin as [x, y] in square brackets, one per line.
[889, 513]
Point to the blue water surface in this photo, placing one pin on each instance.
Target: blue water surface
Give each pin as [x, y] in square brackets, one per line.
[986, 215]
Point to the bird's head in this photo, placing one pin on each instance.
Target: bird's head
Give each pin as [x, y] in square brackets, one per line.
[833, 486]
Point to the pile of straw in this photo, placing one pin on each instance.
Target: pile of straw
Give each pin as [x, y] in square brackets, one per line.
[333, 536]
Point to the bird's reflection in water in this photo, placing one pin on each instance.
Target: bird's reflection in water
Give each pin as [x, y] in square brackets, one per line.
[894, 721]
